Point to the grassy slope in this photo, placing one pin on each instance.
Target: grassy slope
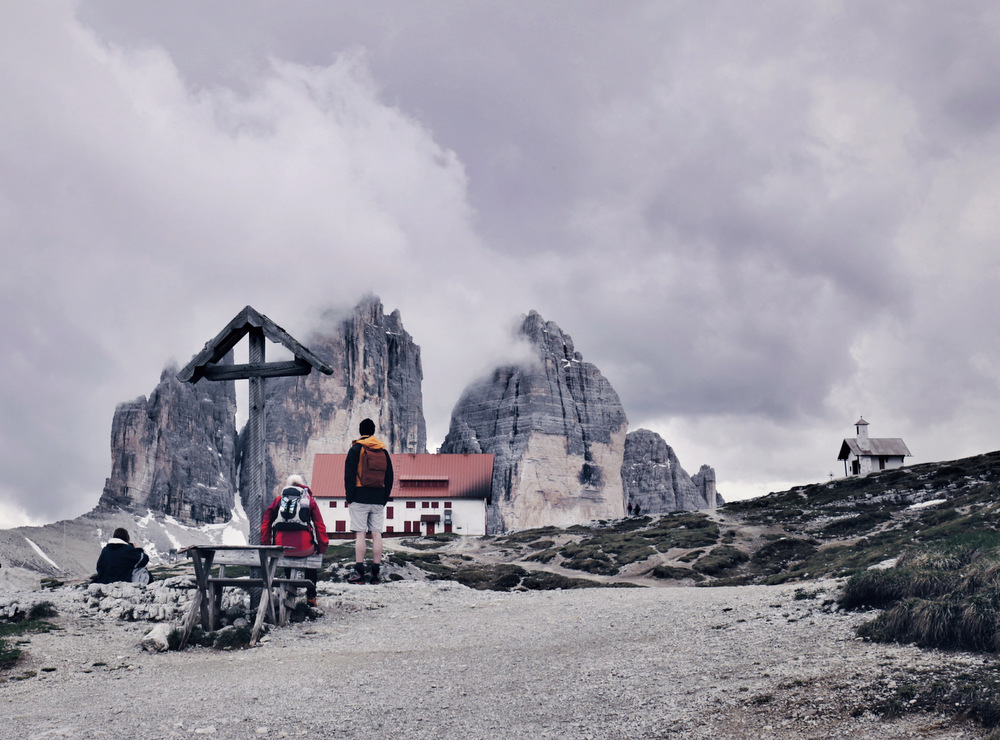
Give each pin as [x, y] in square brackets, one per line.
[832, 529]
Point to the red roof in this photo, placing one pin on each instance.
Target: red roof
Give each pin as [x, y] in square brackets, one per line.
[415, 476]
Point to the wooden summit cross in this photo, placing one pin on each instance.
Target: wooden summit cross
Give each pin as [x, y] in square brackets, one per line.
[206, 365]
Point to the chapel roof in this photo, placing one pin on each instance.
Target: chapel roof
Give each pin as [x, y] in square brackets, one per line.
[875, 447]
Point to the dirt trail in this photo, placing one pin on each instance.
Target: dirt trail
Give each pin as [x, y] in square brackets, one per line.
[436, 660]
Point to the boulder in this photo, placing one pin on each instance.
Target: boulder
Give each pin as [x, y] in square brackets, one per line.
[156, 640]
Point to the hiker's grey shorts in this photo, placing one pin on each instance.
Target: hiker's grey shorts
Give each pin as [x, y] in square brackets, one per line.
[367, 517]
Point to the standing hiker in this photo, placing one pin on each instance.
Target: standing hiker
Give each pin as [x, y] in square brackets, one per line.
[368, 486]
[120, 560]
[294, 520]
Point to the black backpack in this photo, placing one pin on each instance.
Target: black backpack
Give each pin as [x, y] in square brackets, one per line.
[293, 511]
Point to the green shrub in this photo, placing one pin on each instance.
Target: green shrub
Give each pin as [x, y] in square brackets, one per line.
[588, 556]
[951, 600]
[430, 542]
[174, 638]
[429, 562]
[880, 588]
[232, 638]
[667, 572]
[633, 523]
[490, 578]
[926, 623]
[42, 610]
[530, 535]
[9, 654]
[545, 581]
[684, 530]
[596, 565]
[780, 552]
[719, 559]
[856, 524]
[541, 544]
[544, 556]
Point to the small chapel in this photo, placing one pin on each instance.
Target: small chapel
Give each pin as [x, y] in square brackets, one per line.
[863, 454]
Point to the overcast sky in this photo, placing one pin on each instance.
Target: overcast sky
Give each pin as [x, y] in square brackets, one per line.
[759, 220]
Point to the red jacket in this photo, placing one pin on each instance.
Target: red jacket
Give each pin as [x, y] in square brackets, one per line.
[302, 541]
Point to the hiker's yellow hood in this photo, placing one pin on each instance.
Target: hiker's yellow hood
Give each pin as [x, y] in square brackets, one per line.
[370, 442]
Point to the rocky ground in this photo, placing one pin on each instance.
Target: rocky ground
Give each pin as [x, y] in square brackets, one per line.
[422, 659]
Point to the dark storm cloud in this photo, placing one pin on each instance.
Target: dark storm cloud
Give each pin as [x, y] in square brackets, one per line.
[758, 220]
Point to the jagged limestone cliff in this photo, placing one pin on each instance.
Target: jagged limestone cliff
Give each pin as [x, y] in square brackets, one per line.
[556, 429]
[656, 483]
[175, 453]
[704, 481]
[377, 374]
[555, 426]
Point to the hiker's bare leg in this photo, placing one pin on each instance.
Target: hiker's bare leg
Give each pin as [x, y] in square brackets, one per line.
[377, 547]
[359, 547]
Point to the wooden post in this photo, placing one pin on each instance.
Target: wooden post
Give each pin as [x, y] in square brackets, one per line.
[254, 479]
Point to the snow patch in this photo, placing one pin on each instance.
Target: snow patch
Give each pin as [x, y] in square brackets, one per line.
[45, 557]
[146, 520]
[173, 540]
[924, 504]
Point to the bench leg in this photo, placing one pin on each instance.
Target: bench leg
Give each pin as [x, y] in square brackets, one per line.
[191, 617]
[262, 609]
[286, 598]
[215, 605]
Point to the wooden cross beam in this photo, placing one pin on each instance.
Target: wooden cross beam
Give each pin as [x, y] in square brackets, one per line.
[205, 364]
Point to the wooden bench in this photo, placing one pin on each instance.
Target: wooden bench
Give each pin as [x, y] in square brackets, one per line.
[273, 591]
[284, 589]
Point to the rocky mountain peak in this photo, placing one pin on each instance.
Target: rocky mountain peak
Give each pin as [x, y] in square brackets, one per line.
[548, 338]
[556, 430]
[656, 483]
[377, 374]
[175, 453]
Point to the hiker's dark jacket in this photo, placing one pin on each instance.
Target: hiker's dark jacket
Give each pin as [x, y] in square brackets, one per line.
[357, 494]
[117, 561]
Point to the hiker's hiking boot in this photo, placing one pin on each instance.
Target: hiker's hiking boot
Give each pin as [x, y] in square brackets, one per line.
[358, 576]
[375, 577]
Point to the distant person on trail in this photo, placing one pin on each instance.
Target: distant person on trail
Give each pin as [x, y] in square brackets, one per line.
[120, 560]
[294, 520]
[368, 486]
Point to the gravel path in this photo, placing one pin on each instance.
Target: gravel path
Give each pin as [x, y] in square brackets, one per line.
[437, 660]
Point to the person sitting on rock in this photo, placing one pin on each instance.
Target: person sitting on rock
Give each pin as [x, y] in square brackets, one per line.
[120, 560]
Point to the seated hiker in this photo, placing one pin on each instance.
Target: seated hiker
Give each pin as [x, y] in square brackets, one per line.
[120, 560]
[294, 520]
